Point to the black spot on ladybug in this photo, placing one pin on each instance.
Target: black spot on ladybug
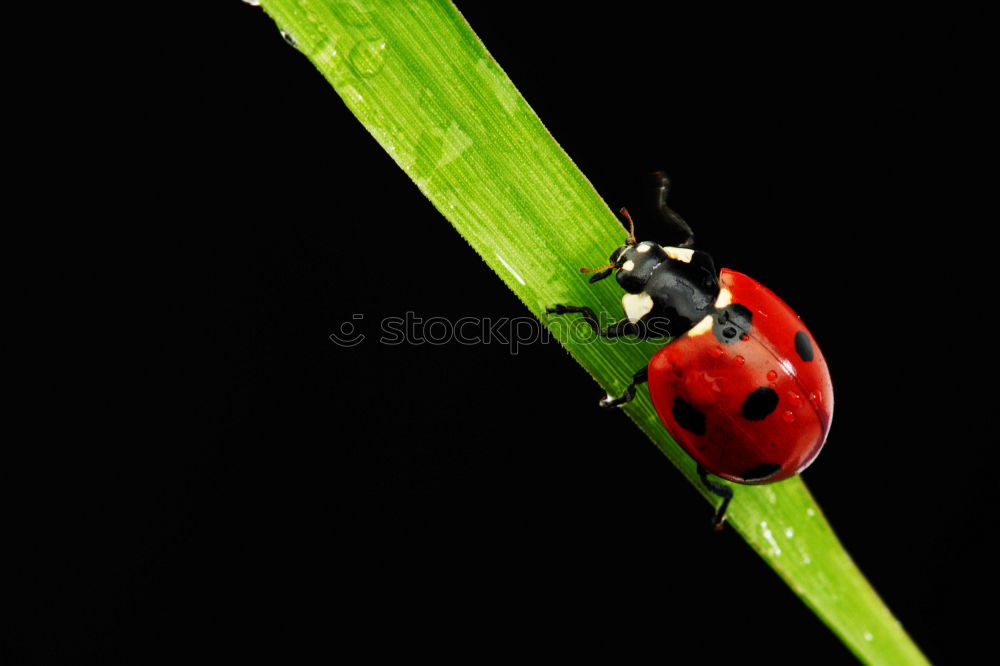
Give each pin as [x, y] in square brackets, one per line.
[760, 472]
[760, 403]
[803, 346]
[731, 323]
[689, 417]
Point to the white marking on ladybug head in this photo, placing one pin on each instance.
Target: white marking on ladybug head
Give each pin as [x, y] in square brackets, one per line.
[644, 247]
[628, 265]
[680, 253]
[637, 306]
[724, 299]
[702, 326]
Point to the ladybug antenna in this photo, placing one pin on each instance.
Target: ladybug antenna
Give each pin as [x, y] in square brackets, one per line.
[601, 273]
[631, 227]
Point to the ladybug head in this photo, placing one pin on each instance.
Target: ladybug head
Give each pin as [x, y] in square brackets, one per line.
[635, 264]
[634, 261]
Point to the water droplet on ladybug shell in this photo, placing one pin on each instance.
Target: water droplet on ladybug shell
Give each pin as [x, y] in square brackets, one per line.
[739, 360]
[771, 375]
[788, 416]
[715, 352]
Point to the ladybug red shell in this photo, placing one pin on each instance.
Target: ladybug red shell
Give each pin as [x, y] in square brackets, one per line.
[754, 407]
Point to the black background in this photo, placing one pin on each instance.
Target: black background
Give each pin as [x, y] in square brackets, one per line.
[216, 478]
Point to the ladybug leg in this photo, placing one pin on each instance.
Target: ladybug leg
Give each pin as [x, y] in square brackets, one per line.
[616, 330]
[638, 378]
[669, 216]
[725, 492]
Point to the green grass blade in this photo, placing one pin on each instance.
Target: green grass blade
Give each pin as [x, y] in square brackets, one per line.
[425, 87]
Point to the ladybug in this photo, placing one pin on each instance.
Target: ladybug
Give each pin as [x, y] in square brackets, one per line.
[742, 385]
